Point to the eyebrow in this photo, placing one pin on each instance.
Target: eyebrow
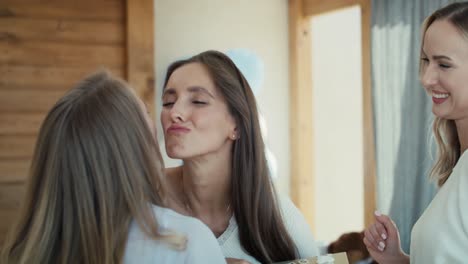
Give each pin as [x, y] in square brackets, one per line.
[191, 89]
[438, 57]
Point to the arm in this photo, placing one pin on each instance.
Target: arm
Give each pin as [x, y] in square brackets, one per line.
[298, 228]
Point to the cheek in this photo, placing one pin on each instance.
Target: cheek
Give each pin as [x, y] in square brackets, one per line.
[164, 118]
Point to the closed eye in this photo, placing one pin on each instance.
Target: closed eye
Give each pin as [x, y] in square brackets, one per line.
[168, 104]
[199, 102]
[445, 66]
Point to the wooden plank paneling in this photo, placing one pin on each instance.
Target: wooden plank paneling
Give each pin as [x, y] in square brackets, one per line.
[83, 9]
[140, 50]
[16, 147]
[11, 195]
[7, 216]
[61, 30]
[20, 124]
[301, 112]
[14, 171]
[58, 54]
[46, 78]
[21, 101]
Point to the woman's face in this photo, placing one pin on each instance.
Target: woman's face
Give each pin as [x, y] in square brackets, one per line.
[195, 117]
[444, 71]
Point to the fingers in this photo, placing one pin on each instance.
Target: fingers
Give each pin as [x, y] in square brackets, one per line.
[387, 223]
[381, 230]
[373, 239]
[377, 236]
[370, 246]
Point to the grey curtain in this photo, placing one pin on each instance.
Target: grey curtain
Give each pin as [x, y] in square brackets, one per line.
[405, 149]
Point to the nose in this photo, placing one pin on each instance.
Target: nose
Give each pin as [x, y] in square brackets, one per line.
[177, 114]
[429, 77]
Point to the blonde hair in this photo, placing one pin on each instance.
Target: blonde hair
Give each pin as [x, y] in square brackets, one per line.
[96, 166]
[445, 130]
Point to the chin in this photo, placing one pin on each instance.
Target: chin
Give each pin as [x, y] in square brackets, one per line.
[175, 153]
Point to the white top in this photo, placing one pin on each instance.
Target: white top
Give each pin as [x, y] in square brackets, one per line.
[295, 223]
[201, 244]
[441, 233]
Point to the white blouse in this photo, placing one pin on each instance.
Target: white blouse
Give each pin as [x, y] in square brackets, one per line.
[201, 245]
[295, 223]
[441, 233]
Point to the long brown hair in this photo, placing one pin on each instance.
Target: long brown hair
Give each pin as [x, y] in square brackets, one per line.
[262, 231]
[445, 130]
[96, 167]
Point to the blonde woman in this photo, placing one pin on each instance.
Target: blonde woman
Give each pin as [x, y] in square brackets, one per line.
[95, 193]
[441, 234]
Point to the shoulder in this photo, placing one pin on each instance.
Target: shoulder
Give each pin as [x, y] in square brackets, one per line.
[298, 228]
[287, 207]
[202, 246]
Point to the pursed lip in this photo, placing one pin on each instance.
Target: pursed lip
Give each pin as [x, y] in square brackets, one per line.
[177, 129]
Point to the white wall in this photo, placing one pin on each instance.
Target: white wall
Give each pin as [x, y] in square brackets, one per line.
[338, 123]
[187, 27]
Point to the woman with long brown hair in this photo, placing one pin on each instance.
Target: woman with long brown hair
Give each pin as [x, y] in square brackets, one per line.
[210, 121]
[441, 233]
[95, 192]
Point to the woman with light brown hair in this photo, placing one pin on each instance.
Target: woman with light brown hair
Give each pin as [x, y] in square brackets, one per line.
[211, 122]
[441, 233]
[95, 192]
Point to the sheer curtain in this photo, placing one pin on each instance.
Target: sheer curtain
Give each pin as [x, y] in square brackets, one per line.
[402, 111]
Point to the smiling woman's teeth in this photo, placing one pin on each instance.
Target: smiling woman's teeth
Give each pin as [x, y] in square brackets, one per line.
[440, 95]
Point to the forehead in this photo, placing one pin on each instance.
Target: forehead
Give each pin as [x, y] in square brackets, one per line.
[443, 37]
[191, 75]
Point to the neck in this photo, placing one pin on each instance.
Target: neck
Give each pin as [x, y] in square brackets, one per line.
[207, 184]
[462, 130]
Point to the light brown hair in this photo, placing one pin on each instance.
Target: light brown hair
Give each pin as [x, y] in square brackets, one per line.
[262, 232]
[445, 130]
[95, 167]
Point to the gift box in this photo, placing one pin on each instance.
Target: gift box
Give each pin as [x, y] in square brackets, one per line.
[338, 258]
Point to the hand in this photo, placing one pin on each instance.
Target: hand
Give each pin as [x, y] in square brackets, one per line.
[236, 261]
[382, 239]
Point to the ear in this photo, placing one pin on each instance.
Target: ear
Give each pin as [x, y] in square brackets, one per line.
[234, 134]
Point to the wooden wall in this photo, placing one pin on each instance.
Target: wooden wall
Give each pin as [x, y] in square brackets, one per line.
[45, 47]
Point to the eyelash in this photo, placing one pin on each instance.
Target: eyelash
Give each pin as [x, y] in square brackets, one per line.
[444, 66]
[195, 102]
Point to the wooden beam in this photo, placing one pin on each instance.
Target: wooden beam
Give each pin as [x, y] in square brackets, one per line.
[140, 50]
[315, 7]
[301, 111]
[369, 143]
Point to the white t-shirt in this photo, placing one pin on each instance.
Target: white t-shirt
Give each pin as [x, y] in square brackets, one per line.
[201, 245]
[441, 233]
[295, 224]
